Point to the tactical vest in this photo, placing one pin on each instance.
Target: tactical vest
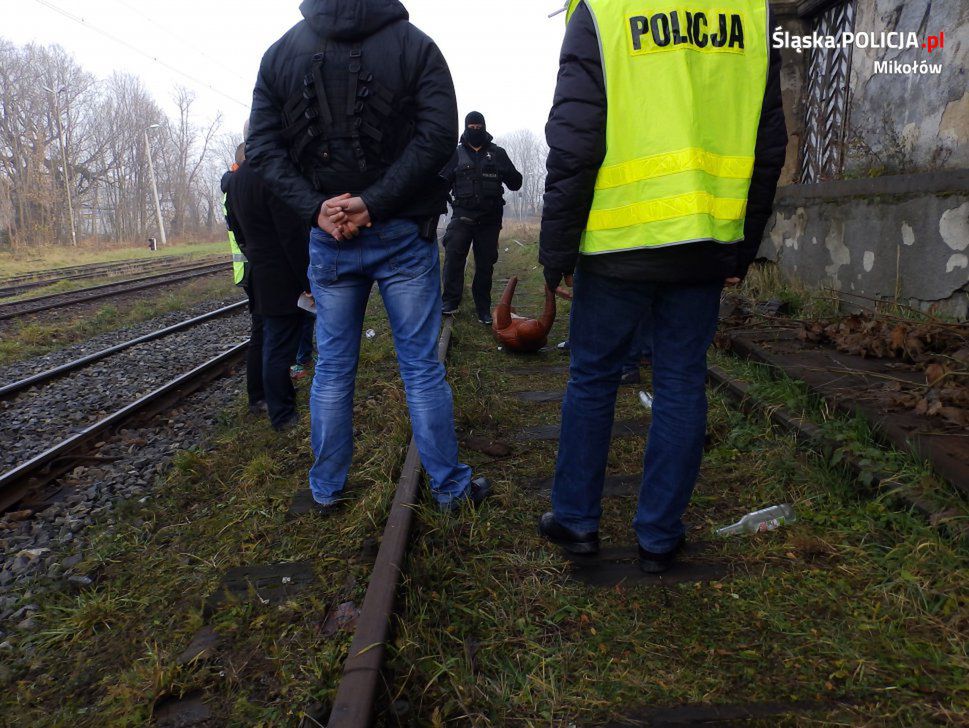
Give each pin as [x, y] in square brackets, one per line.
[476, 187]
[240, 264]
[685, 85]
[367, 117]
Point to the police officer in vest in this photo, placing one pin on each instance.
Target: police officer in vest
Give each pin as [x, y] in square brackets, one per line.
[273, 238]
[242, 277]
[354, 116]
[667, 139]
[476, 174]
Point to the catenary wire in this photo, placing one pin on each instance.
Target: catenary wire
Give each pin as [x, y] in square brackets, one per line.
[139, 51]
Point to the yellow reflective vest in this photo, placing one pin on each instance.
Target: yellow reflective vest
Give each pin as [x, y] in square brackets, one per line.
[239, 260]
[685, 85]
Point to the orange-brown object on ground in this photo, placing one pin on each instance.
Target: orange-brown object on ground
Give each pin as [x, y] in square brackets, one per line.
[521, 334]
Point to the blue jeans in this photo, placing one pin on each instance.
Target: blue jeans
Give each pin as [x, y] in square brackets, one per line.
[605, 315]
[407, 272]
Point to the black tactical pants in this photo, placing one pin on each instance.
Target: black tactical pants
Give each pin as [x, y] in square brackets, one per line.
[458, 240]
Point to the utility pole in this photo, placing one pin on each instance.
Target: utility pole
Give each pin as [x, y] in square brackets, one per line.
[154, 186]
[67, 179]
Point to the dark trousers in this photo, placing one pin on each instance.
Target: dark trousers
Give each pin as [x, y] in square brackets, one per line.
[280, 341]
[304, 355]
[458, 240]
[254, 386]
[606, 313]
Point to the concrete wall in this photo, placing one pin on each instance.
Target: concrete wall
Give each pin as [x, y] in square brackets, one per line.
[875, 236]
[900, 124]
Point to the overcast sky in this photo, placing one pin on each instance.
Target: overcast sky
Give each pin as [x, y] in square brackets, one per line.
[503, 53]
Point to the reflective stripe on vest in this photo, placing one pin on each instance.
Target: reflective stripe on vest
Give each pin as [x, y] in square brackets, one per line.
[685, 86]
[239, 260]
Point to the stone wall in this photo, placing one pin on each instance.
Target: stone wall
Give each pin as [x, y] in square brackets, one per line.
[900, 124]
[904, 237]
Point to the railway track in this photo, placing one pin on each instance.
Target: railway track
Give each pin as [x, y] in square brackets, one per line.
[22, 284]
[39, 470]
[108, 290]
[67, 271]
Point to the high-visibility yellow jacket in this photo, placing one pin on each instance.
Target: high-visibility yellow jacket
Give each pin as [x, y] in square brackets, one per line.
[685, 86]
[239, 261]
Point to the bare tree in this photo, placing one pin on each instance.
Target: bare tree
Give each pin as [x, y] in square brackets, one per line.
[62, 129]
[528, 151]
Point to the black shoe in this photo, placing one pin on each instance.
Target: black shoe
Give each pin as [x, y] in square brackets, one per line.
[286, 425]
[653, 563]
[328, 509]
[449, 310]
[477, 492]
[574, 543]
[631, 377]
[258, 408]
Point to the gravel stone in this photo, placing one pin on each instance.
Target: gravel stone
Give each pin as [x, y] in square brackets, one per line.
[39, 552]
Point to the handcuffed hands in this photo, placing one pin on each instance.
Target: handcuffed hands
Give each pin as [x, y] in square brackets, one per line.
[343, 217]
[554, 278]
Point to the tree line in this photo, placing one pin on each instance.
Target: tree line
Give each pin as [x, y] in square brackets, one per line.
[63, 129]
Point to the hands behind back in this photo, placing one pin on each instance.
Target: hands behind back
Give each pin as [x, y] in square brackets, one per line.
[344, 216]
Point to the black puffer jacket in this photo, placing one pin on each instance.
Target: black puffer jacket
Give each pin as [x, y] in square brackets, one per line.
[403, 60]
[576, 133]
[273, 239]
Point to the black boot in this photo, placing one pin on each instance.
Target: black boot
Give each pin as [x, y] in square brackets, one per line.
[654, 563]
[574, 543]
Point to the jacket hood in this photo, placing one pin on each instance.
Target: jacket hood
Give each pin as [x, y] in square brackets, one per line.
[351, 19]
[488, 140]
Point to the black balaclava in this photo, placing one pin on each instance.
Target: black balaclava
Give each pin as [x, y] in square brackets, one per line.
[475, 137]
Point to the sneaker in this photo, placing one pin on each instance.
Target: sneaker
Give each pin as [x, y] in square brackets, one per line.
[477, 492]
[449, 310]
[575, 543]
[258, 408]
[486, 320]
[299, 371]
[653, 563]
[631, 376]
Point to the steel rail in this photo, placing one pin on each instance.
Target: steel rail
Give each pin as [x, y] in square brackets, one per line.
[57, 459]
[151, 266]
[357, 694]
[11, 390]
[59, 273]
[45, 303]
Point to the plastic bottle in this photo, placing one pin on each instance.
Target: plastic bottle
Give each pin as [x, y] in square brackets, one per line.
[766, 519]
[646, 399]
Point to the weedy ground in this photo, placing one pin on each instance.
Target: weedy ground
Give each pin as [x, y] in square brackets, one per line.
[859, 608]
[27, 260]
[41, 334]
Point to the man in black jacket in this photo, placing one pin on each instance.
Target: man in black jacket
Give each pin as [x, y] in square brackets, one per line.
[353, 117]
[476, 174]
[639, 210]
[273, 239]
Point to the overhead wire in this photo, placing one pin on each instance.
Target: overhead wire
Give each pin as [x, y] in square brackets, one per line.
[141, 52]
[183, 41]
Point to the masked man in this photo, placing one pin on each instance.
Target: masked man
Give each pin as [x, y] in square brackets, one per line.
[476, 174]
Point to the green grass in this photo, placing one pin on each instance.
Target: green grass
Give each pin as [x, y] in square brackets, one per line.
[109, 655]
[860, 605]
[21, 340]
[44, 258]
